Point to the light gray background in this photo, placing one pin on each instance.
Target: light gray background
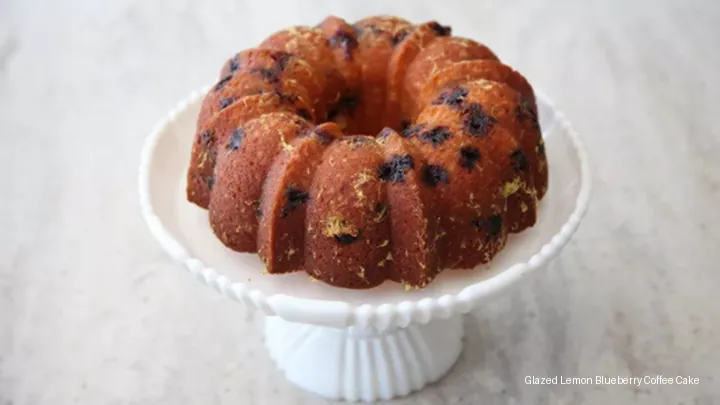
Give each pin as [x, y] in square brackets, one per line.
[93, 312]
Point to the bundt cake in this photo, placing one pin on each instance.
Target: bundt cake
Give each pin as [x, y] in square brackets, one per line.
[286, 159]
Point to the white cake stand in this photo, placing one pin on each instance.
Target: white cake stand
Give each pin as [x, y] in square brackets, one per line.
[355, 344]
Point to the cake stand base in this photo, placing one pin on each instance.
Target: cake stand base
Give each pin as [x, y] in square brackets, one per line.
[364, 364]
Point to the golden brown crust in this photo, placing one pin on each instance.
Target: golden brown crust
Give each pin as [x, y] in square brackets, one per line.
[469, 132]
[434, 57]
[413, 220]
[216, 132]
[255, 71]
[347, 224]
[281, 232]
[242, 167]
[247, 85]
[470, 70]
[513, 112]
[468, 199]
[311, 45]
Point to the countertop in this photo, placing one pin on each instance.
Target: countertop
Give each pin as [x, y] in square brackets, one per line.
[92, 311]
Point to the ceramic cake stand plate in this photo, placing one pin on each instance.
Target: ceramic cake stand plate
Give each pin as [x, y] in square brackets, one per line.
[355, 344]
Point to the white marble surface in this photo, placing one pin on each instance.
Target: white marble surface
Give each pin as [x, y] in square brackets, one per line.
[93, 312]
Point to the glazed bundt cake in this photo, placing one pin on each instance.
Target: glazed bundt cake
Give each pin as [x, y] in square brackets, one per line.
[458, 161]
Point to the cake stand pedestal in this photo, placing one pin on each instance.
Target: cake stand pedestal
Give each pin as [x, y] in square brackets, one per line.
[355, 344]
[364, 363]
